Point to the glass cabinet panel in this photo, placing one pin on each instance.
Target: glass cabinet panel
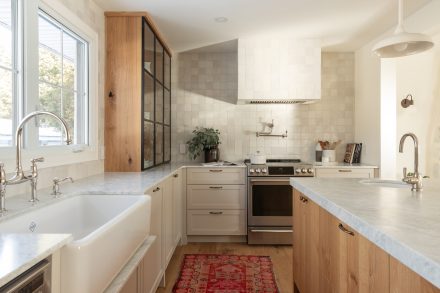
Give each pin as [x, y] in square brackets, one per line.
[159, 144]
[148, 97]
[167, 143]
[148, 144]
[148, 49]
[159, 62]
[167, 71]
[159, 103]
[167, 108]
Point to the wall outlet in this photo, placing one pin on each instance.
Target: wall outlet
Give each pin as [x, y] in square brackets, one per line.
[182, 148]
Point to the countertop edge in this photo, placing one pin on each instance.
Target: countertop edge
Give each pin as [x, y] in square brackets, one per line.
[33, 261]
[417, 262]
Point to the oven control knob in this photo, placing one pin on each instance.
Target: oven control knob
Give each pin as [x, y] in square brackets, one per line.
[310, 170]
[257, 170]
[251, 170]
[264, 170]
[297, 170]
[303, 170]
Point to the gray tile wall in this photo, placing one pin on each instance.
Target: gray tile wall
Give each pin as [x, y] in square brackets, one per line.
[205, 92]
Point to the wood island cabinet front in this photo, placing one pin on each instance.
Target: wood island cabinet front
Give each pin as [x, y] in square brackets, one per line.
[330, 256]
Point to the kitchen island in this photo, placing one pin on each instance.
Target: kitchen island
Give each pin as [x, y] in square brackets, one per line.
[393, 236]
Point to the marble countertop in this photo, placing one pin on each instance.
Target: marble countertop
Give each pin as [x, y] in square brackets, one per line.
[18, 252]
[341, 165]
[404, 223]
[15, 260]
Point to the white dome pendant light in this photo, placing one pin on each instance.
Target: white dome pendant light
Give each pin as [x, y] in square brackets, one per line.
[402, 43]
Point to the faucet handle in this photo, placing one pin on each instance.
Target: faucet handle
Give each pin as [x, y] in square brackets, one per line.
[405, 172]
[37, 160]
[2, 173]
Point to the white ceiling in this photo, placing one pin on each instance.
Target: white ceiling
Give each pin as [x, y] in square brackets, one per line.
[343, 25]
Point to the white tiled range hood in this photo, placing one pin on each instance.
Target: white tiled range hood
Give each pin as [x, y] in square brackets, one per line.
[278, 70]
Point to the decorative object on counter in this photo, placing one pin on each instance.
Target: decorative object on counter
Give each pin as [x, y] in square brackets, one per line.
[402, 43]
[318, 153]
[328, 150]
[258, 158]
[207, 140]
[407, 101]
[353, 153]
[269, 133]
[224, 273]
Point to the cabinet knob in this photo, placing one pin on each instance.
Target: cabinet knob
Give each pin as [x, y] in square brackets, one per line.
[156, 189]
[303, 199]
[176, 175]
[345, 230]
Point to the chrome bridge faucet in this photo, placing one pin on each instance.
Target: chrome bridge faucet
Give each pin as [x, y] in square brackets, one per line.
[20, 176]
[416, 179]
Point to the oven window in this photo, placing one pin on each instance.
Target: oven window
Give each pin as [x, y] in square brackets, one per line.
[271, 200]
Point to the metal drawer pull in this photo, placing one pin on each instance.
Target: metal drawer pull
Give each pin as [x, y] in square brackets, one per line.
[216, 170]
[345, 171]
[345, 230]
[303, 199]
[156, 189]
[176, 175]
[272, 231]
[215, 187]
[215, 213]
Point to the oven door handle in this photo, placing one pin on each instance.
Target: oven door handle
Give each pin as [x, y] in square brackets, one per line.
[270, 231]
[270, 180]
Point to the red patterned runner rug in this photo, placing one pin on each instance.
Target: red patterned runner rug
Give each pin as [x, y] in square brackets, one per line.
[213, 273]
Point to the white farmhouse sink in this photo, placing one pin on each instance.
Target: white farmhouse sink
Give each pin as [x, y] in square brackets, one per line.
[385, 183]
[107, 230]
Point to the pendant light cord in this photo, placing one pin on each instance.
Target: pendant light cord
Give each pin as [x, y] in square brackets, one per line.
[399, 27]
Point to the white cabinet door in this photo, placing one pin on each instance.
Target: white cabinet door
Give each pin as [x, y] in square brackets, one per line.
[156, 261]
[216, 222]
[224, 197]
[168, 220]
[344, 172]
[215, 175]
[177, 207]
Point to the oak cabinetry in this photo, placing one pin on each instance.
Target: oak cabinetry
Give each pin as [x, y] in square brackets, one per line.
[329, 256]
[216, 201]
[137, 94]
[404, 280]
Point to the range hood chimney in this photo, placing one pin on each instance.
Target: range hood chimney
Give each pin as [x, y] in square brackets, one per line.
[278, 70]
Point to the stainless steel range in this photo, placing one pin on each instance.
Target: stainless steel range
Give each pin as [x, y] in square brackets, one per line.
[270, 207]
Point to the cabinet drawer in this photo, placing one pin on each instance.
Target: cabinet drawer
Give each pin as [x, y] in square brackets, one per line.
[216, 175]
[231, 197]
[216, 222]
[344, 173]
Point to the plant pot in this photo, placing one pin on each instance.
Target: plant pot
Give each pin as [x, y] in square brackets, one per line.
[212, 155]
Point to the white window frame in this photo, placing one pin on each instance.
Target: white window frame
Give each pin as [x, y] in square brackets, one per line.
[63, 154]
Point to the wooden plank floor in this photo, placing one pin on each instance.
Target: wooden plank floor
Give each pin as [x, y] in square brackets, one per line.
[281, 257]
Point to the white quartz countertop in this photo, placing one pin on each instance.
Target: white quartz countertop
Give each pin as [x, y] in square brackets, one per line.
[14, 260]
[404, 223]
[18, 252]
[341, 165]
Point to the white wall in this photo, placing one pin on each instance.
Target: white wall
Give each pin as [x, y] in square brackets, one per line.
[205, 92]
[93, 16]
[368, 122]
[419, 75]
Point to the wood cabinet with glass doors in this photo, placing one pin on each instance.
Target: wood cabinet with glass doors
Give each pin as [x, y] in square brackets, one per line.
[137, 95]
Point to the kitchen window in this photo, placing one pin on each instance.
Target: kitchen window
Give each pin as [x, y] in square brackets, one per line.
[9, 72]
[48, 61]
[62, 83]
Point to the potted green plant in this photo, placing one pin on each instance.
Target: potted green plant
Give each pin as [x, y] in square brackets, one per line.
[207, 140]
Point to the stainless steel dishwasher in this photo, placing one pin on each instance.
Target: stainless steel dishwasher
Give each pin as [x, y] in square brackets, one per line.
[35, 280]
